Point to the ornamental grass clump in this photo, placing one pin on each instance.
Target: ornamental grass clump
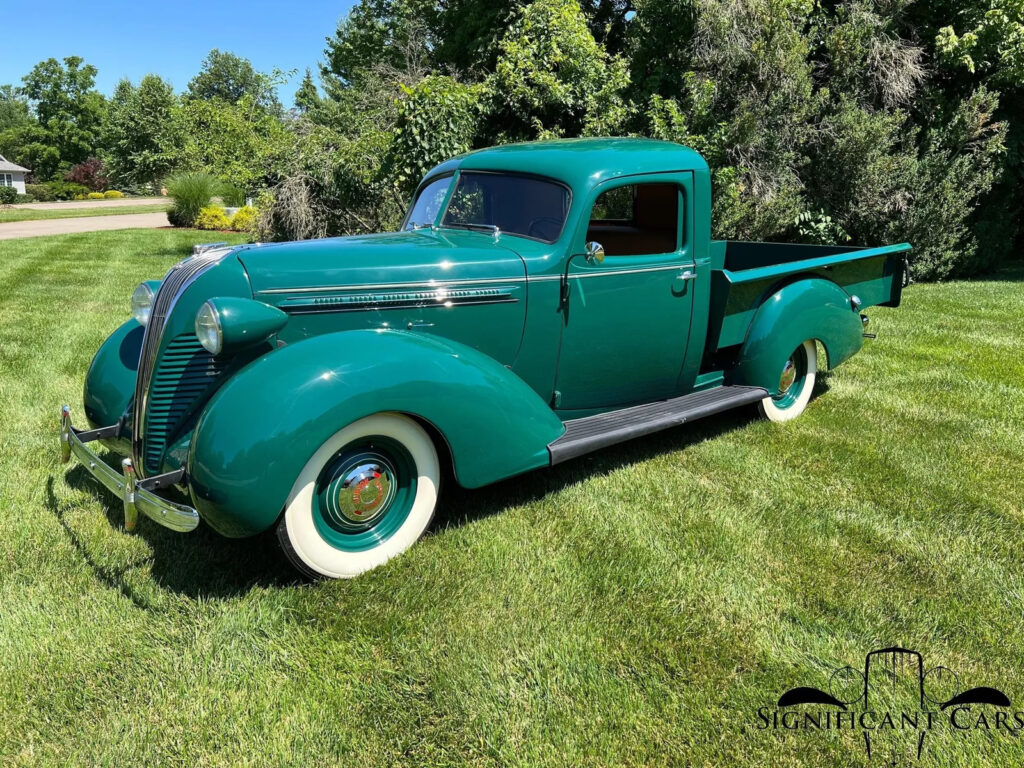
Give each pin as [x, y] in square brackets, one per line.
[191, 193]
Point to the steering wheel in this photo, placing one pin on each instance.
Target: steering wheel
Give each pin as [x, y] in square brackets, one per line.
[546, 225]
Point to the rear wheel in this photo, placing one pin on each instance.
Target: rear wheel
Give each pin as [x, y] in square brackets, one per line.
[796, 382]
[365, 496]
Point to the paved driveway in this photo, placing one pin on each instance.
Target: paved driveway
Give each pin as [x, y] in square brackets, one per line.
[15, 229]
[124, 202]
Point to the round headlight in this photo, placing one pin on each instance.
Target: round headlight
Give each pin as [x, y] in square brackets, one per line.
[142, 303]
[208, 328]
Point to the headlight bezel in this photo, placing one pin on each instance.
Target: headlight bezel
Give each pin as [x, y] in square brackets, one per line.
[209, 329]
[142, 302]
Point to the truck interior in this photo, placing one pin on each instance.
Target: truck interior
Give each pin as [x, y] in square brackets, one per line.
[636, 220]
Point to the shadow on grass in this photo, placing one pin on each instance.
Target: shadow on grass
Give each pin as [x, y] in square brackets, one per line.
[205, 565]
[200, 564]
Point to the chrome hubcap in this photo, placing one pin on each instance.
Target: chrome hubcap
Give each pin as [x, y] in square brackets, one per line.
[361, 492]
[788, 377]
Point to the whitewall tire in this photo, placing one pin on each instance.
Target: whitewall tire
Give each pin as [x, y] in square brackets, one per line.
[796, 384]
[366, 495]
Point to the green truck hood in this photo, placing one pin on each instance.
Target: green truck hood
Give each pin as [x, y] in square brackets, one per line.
[392, 258]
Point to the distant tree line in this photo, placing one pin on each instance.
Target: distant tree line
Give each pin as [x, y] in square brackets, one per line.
[867, 121]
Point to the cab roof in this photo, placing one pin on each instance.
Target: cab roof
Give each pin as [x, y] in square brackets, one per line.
[581, 163]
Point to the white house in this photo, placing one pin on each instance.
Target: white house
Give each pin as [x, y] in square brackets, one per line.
[12, 175]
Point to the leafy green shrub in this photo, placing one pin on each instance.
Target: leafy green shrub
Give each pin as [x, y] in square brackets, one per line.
[212, 217]
[230, 195]
[817, 228]
[94, 196]
[191, 193]
[244, 219]
[66, 190]
[437, 119]
[25, 199]
[113, 194]
[40, 192]
[8, 195]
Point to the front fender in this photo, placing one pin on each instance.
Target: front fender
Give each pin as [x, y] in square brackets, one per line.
[110, 380]
[812, 308]
[262, 426]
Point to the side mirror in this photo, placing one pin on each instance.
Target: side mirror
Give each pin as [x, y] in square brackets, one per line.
[595, 252]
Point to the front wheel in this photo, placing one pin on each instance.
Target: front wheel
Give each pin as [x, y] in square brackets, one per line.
[796, 382]
[365, 496]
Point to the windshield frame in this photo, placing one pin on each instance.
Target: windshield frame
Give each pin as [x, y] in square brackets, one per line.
[536, 176]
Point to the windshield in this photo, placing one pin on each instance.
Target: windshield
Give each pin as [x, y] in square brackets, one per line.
[428, 204]
[518, 205]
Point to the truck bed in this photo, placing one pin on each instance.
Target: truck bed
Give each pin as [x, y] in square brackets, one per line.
[744, 274]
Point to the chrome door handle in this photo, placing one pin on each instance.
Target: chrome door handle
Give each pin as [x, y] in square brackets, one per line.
[687, 274]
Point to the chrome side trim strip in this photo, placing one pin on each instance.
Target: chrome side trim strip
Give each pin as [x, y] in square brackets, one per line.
[444, 283]
[440, 298]
[386, 286]
[639, 270]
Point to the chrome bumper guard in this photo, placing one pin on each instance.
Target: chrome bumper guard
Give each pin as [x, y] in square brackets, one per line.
[134, 493]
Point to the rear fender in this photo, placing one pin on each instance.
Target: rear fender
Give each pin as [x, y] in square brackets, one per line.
[261, 427]
[812, 308]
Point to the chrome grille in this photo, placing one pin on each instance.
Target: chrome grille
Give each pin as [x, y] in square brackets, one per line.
[174, 282]
[183, 374]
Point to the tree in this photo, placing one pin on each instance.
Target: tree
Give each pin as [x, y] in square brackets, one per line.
[229, 78]
[139, 131]
[393, 34]
[67, 106]
[307, 97]
[553, 79]
[14, 111]
[30, 146]
[238, 143]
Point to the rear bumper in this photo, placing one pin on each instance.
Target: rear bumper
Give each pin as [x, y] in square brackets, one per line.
[135, 494]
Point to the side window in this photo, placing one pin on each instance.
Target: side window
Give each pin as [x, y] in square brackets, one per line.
[636, 220]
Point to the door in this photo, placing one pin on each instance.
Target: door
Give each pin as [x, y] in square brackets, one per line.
[627, 318]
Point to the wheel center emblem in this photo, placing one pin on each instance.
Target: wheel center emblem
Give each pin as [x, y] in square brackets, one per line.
[788, 377]
[367, 495]
[361, 492]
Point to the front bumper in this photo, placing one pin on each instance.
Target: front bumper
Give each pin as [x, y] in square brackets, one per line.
[136, 494]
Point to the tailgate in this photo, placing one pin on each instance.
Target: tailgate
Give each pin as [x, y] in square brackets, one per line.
[753, 271]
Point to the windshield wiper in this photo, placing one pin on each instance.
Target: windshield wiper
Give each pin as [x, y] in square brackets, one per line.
[413, 226]
[492, 228]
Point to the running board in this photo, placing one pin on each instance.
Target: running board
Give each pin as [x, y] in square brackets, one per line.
[593, 432]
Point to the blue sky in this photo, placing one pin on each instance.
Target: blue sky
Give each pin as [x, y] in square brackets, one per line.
[131, 39]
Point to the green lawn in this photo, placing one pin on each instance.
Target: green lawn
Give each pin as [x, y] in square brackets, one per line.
[31, 214]
[634, 607]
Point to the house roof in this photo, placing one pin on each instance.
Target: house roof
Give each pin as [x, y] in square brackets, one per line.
[7, 165]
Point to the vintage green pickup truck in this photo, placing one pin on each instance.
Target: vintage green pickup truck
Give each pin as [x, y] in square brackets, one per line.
[540, 301]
